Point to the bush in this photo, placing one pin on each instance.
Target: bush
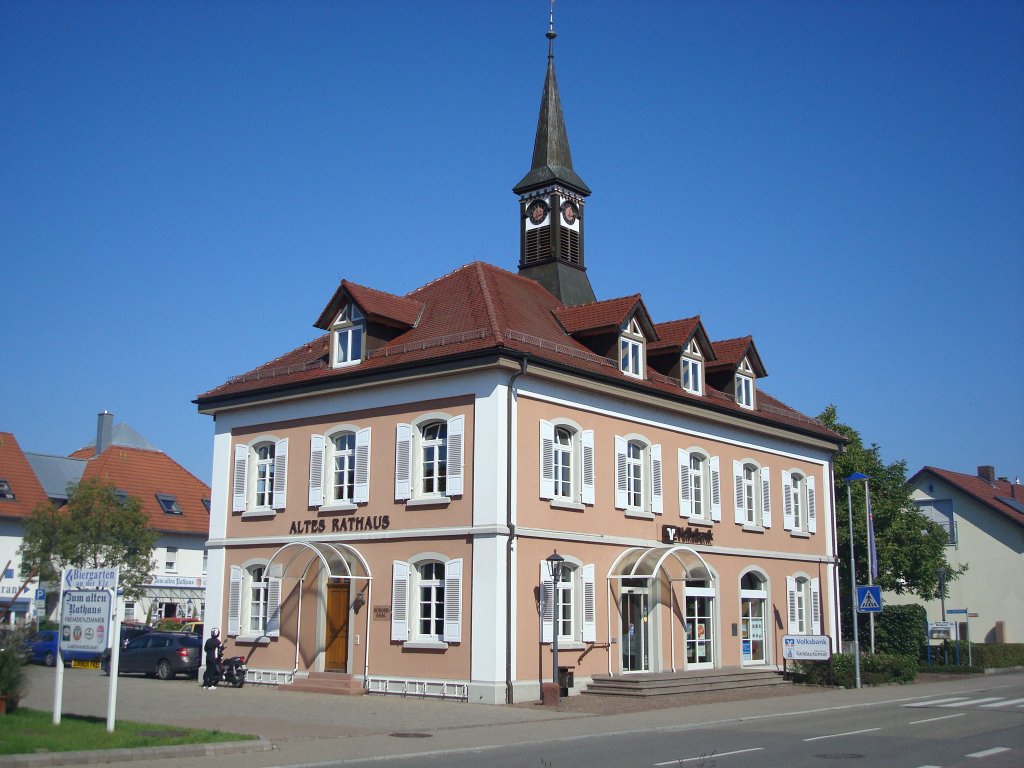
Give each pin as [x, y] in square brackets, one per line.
[900, 630]
[12, 672]
[993, 655]
[875, 669]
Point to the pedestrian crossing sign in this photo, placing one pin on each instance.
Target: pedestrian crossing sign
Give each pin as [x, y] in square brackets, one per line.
[869, 599]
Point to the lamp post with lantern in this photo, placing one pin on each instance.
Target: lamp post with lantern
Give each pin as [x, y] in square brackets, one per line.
[554, 561]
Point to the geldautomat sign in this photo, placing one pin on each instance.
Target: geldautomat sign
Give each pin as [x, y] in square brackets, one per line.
[807, 647]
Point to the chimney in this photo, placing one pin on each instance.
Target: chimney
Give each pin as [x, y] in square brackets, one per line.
[987, 473]
[104, 431]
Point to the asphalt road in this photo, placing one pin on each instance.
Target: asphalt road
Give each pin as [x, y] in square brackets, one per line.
[976, 721]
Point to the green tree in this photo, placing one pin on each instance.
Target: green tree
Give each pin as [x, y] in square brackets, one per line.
[910, 548]
[98, 528]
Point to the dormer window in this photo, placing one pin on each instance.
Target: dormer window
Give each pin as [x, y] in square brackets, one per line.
[347, 334]
[168, 503]
[631, 350]
[745, 385]
[691, 366]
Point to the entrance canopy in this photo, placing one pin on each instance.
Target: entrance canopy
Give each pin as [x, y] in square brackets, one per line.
[329, 555]
[679, 563]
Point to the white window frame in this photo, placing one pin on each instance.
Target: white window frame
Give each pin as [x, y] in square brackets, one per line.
[803, 601]
[409, 458]
[348, 337]
[632, 347]
[638, 476]
[707, 477]
[744, 383]
[323, 456]
[246, 476]
[691, 369]
[581, 594]
[241, 586]
[170, 559]
[799, 499]
[405, 602]
[751, 484]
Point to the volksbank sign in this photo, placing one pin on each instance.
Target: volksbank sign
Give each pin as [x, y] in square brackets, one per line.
[806, 647]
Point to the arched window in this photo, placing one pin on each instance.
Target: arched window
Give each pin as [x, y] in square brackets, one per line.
[254, 599]
[339, 467]
[798, 492]
[429, 459]
[567, 463]
[752, 494]
[802, 598]
[700, 486]
[260, 476]
[426, 601]
[571, 608]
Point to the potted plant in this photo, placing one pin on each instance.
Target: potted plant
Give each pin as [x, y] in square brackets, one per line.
[12, 675]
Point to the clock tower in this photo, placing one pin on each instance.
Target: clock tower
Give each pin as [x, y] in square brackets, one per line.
[551, 204]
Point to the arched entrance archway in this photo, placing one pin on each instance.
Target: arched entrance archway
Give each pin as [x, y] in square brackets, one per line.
[633, 580]
[345, 571]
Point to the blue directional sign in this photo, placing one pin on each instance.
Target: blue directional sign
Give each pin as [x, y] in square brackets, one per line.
[869, 599]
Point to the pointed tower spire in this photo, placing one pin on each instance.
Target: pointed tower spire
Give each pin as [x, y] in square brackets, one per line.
[551, 201]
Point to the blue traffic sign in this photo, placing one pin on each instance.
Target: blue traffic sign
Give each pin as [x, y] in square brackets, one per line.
[869, 599]
[40, 594]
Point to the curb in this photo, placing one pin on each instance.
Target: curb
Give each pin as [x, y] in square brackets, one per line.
[132, 754]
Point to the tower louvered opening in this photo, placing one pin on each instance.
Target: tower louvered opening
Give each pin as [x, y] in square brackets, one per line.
[537, 245]
[570, 246]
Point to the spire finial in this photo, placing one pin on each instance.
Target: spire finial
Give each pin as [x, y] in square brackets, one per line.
[551, 35]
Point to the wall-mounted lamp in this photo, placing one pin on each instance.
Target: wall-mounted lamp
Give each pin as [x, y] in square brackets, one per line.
[359, 602]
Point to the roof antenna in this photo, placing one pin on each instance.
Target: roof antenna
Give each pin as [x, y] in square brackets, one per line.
[551, 31]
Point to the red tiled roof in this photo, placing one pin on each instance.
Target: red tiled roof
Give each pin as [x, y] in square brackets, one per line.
[15, 469]
[729, 353]
[479, 308]
[608, 315]
[144, 474]
[984, 492]
[378, 306]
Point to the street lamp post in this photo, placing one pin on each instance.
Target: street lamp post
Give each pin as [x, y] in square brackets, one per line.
[868, 526]
[855, 477]
[554, 561]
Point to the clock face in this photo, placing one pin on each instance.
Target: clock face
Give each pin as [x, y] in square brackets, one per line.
[570, 212]
[537, 211]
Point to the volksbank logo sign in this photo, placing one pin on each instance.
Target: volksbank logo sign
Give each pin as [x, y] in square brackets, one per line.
[809, 647]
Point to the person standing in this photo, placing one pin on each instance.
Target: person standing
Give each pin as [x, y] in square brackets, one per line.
[212, 648]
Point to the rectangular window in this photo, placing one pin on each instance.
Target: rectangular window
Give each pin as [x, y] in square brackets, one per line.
[206, 559]
[630, 356]
[691, 375]
[171, 560]
[940, 511]
[744, 391]
[6, 493]
[168, 503]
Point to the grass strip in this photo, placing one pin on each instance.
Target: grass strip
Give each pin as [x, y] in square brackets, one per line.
[29, 731]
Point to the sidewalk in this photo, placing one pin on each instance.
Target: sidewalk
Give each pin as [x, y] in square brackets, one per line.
[311, 728]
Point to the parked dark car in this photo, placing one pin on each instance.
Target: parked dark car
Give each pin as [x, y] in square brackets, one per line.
[130, 631]
[163, 654]
[42, 648]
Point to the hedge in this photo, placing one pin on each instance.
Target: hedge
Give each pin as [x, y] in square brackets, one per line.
[983, 656]
[875, 669]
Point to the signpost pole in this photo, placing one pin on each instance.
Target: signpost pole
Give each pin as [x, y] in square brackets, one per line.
[853, 576]
[115, 659]
[58, 687]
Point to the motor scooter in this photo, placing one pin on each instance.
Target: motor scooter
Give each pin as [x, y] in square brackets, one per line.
[231, 670]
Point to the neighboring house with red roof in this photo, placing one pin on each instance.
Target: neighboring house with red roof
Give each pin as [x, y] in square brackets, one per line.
[984, 515]
[386, 496]
[174, 500]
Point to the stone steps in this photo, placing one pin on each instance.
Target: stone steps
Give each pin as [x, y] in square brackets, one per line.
[336, 683]
[674, 683]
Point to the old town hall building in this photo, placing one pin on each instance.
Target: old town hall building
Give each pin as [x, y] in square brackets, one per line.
[385, 498]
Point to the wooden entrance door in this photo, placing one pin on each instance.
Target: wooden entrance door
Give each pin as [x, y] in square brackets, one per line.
[336, 657]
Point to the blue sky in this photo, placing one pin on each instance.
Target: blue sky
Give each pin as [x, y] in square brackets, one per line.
[182, 186]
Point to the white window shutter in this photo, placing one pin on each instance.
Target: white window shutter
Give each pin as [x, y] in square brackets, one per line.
[739, 499]
[456, 429]
[547, 603]
[587, 486]
[453, 601]
[273, 628]
[403, 462]
[620, 472]
[589, 605]
[657, 499]
[399, 601]
[362, 484]
[812, 525]
[241, 478]
[547, 459]
[794, 623]
[787, 501]
[815, 607]
[685, 497]
[716, 491]
[280, 473]
[234, 601]
[316, 470]
[766, 497]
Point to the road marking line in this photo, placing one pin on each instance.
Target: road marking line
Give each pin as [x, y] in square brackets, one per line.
[933, 719]
[837, 735]
[972, 702]
[988, 752]
[1007, 703]
[713, 754]
[936, 702]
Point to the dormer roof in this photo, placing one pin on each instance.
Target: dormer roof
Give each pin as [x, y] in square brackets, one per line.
[607, 316]
[377, 306]
[675, 335]
[729, 353]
